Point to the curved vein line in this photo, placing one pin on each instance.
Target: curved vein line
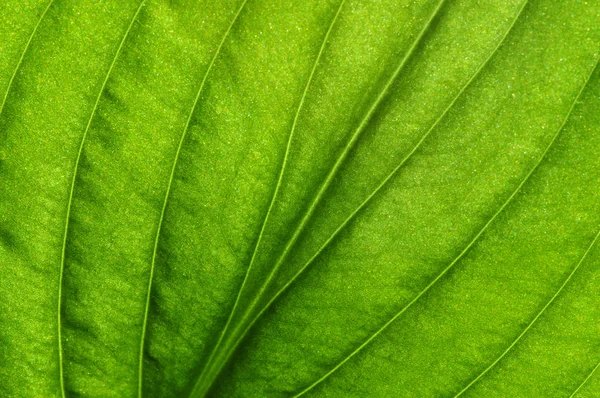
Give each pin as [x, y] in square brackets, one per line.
[347, 149]
[589, 376]
[72, 189]
[12, 78]
[382, 184]
[325, 185]
[534, 320]
[462, 253]
[167, 195]
[197, 387]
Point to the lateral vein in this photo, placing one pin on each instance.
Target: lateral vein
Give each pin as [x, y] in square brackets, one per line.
[208, 368]
[569, 277]
[72, 189]
[167, 195]
[462, 253]
[379, 187]
[588, 377]
[229, 348]
[20, 62]
[534, 320]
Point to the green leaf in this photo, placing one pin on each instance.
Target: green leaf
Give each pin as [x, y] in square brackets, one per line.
[339, 198]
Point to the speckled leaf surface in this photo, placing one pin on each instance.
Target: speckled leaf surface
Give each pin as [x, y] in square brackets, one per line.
[327, 198]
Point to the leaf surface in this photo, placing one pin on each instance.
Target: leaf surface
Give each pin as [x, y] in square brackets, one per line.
[248, 198]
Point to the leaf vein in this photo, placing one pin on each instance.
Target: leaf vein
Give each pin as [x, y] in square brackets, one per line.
[326, 183]
[274, 196]
[72, 190]
[588, 377]
[167, 195]
[20, 62]
[380, 186]
[534, 320]
[336, 167]
[462, 253]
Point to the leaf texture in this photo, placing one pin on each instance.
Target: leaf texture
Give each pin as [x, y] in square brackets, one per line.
[340, 198]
